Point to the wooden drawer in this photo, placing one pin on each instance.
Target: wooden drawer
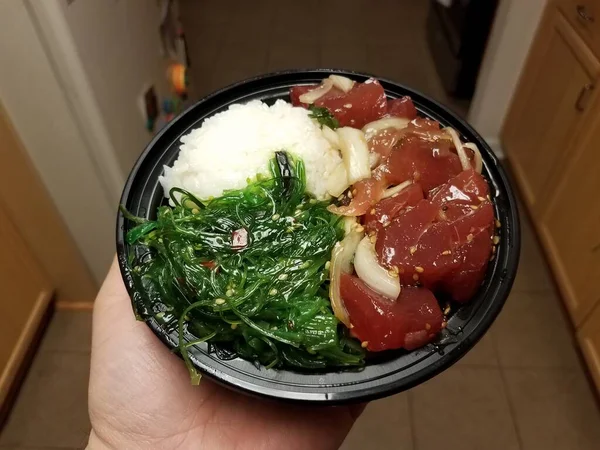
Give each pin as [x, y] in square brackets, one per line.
[584, 15]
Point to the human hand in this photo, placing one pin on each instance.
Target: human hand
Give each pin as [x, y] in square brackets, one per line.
[140, 396]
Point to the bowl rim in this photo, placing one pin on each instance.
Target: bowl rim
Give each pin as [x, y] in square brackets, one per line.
[510, 257]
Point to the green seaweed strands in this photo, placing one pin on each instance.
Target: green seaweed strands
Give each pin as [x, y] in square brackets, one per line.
[247, 272]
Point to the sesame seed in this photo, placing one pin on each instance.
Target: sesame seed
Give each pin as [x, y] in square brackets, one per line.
[364, 344]
[354, 191]
[447, 310]
[219, 301]
[275, 217]
[498, 224]
[419, 269]
[496, 239]
[481, 199]
[427, 326]
[229, 292]
[195, 211]
[233, 326]
[469, 237]
[373, 239]
[488, 197]
[283, 276]
[446, 252]
[474, 207]
[273, 291]
[413, 250]
[349, 194]
[386, 223]
[351, 326]
[341, 197]
[416, 276]
[372, 211]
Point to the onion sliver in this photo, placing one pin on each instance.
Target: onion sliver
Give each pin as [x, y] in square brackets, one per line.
[462, 155]
[341, 261]
[331, 136]
[390, 192]
[372, 128]
[344, 84]
[355, 153]
[477, 156]
[374, 275]
[312, 96]
[337, 182]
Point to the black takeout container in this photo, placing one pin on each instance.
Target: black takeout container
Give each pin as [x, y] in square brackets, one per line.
[386, 373]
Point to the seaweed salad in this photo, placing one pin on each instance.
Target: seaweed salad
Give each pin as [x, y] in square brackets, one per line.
[248, 272]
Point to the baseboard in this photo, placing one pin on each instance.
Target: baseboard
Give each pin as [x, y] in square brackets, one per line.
[73, 306]
[17, 365]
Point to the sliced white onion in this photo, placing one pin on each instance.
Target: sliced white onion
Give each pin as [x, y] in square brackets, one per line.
[312, 96]
[341, 261]
[390, 192]
[355, 153]
[477, 156]
[337, 182]
[375, 276]
[331, 136]
[344, 84]
[374, 159]
[372, 128]
[462, 155]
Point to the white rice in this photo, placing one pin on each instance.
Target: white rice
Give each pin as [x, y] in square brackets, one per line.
[236, 145]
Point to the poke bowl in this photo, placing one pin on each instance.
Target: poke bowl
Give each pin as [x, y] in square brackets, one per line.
[318, 236]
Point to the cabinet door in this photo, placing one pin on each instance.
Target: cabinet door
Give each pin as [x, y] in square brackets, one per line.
[570, 227]
[589, 339]
[550, 105]
[24, 296]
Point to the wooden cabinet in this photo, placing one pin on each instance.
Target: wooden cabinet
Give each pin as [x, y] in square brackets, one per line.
[589, 339]
[570, 227]
[25, 295]
[552, 137]
[556, 90]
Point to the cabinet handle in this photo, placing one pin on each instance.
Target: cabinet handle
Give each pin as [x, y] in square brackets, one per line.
[583, 14]
[583, 97]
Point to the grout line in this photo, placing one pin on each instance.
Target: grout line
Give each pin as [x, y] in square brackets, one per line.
[511, 406]
[411, 420]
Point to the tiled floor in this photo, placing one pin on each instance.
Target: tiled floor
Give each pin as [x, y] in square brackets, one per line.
[522, 387]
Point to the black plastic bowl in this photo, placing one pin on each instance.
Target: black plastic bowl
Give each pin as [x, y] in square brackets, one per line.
[389, 373]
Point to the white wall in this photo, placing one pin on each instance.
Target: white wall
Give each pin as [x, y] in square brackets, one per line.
[43, 117]
[71, 77]
[512, 34]
[118, 44]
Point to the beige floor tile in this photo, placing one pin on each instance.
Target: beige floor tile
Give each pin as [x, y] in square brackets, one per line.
[533, 274]
[238, 61]
[483, 354]
[340, 56]
[296, 55]
[385, 424]
[68, 331]
[52, 406]
[532, 331]
[554, 409]
[463, 408]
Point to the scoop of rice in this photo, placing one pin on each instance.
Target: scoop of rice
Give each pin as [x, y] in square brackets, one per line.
[236, 145]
